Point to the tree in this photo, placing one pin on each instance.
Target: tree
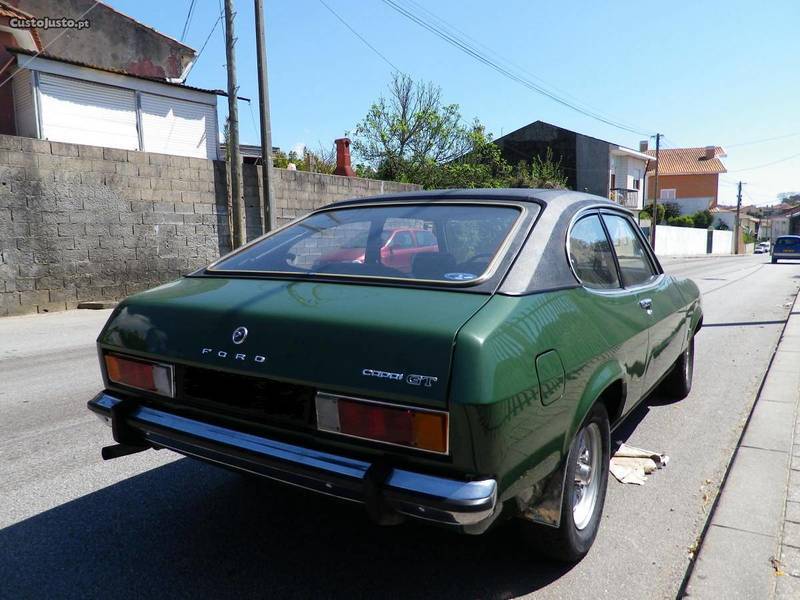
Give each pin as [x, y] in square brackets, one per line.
[407, 134]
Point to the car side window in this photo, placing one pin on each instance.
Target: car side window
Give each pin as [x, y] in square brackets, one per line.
[634, 263]
[425, 238]
[590, 254]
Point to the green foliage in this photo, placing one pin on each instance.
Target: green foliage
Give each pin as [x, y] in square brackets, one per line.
[647, 213]
[671, 209]
[406, 136]
[321, 161]
[748, 237]
[540, 173]
[414, 137]
[682, 221]
[702, 219]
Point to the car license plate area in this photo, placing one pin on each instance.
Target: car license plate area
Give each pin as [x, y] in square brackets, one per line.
[256, 398]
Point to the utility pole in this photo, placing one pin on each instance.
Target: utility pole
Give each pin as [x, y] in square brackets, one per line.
[266, 128]
[654, 213]
[237, 201]
[738, 219]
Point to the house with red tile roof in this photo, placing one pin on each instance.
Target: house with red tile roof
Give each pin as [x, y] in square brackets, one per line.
[688, 177]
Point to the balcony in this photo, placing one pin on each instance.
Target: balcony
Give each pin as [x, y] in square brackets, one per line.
[626, 197]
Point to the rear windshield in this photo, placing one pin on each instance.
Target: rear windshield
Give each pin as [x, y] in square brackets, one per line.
[784, 242]
[447, 242]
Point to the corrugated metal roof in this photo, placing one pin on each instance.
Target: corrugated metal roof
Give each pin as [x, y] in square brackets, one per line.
[115, 71]
[688, 161]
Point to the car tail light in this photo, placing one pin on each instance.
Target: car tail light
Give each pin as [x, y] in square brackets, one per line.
[139, 374]
[387, 423]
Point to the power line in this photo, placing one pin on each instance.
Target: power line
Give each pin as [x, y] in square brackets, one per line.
[188, 20]
[359, 36]
[208, 37]
[470, 50]
[769, 164]
[762, 140]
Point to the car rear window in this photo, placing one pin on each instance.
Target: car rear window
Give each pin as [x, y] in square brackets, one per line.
[787, 242]
[452, 243]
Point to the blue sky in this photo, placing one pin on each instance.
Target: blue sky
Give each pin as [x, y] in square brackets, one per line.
[724, 73]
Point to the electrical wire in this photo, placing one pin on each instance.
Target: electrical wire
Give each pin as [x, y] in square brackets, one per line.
[359, 36]
[762, 140]
[188, 20]
[208, 37]
[769, 164]
[470, 50]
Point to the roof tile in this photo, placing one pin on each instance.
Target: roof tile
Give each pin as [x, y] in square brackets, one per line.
[688, 161]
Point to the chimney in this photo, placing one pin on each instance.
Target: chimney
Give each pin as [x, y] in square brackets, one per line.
[711, 152]
[343, 158]
[643, 146]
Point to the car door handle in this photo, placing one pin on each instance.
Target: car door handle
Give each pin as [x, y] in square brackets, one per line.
[646, 304]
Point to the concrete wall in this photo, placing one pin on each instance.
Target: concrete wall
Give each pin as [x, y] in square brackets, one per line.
[688, 241]
[722, 242]
[84, 223]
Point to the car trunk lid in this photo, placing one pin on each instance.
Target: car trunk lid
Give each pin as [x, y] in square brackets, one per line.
[390, 343]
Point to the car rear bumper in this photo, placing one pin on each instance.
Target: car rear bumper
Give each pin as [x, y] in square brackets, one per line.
[794, 255]
[443, 500]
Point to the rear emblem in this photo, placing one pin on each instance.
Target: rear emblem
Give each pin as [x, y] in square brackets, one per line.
[239, 335]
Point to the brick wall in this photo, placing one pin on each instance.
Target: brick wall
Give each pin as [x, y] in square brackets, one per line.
[84, 223]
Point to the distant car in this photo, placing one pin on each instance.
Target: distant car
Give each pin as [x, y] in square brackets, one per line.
[786, 246]
[398, 249]
[762, 248]
[477, 386]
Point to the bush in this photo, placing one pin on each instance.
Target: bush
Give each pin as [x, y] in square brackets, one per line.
[671, 210]
[648, 214]
[682, 221]
[702, 219]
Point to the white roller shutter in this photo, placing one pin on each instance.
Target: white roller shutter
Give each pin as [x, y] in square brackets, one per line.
[24, 108]
[83, 112]
[173, 126]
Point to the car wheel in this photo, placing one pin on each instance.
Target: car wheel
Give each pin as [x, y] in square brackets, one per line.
[586, 481]
[678, 383]
[774, 260]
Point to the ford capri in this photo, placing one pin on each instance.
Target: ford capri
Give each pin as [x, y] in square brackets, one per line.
[474, 382]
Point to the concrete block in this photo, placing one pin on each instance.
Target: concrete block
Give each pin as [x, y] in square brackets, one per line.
[790, 343]
[771, 426]
[752, 499]
[793, 491]
[20, 159]
[10, 142]
[115, 154]
[32, 145]
[64, 149]
[787, 587]
[103, 166]
[733, 564]
[92, 152]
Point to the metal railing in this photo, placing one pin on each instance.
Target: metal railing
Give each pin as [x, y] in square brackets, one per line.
[626, 197]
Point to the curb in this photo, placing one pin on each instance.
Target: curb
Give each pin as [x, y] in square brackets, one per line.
[740, 545]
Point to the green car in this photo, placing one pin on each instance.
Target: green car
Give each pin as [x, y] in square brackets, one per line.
[458, 357]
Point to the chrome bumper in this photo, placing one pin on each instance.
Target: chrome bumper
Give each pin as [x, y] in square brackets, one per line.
[438, 499]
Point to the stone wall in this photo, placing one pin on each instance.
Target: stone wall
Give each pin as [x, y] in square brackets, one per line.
[80, 223]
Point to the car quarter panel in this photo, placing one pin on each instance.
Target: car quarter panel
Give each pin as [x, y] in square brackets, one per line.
[517, 437]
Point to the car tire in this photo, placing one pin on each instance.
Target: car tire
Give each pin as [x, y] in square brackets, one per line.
[678, 383]
[584, 494]
[774, 260]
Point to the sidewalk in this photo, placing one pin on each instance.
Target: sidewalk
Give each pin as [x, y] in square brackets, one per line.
[751, 548]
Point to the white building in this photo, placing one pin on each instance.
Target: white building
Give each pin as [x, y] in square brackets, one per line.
[63, 101]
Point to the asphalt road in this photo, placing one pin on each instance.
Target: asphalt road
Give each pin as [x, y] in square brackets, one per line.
[154, 524]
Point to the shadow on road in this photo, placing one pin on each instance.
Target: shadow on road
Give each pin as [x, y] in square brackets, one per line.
[189, 530]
